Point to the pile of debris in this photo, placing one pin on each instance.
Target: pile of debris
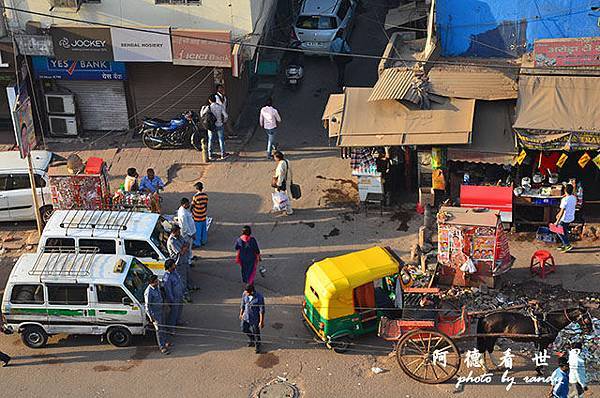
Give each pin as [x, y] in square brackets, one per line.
[591, 347]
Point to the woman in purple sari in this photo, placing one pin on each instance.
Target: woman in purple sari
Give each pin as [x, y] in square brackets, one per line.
[248, 255]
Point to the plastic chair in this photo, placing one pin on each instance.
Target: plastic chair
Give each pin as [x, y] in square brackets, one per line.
[542, 263]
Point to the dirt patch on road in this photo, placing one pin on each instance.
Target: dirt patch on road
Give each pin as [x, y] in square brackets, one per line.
[105, 368]
[267, 361]
[344, 192]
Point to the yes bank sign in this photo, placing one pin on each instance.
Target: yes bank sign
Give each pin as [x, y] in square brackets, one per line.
[57, 69]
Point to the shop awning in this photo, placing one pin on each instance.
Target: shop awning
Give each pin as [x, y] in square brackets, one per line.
[332, 114]
[396, 84]
[493, 139]
[390, 123]
[478, 82]
[558, 112]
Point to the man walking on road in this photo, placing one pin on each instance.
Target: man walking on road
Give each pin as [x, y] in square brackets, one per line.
[283, 179]
[174, 292]
[220, 118]
[252, 315]
[269, 119]
[154, 307]
[199, 206]
[340, 46]
[180, 251]
[4, 358]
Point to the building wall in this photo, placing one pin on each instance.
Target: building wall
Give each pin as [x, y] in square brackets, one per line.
[239, 16]
[508, 28]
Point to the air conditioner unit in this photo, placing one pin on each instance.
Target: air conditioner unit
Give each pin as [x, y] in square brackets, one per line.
[60, 104]
[62, 125]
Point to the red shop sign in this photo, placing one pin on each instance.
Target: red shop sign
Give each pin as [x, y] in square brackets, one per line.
[583, 51]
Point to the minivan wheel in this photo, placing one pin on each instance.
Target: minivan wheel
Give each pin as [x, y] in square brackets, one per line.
[34, 337]
[46, 213]
[119, 336]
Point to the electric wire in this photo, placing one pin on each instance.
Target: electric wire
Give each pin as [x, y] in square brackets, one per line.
[288, 49]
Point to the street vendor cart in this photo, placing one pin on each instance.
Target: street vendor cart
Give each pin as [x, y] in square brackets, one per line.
[472, 247]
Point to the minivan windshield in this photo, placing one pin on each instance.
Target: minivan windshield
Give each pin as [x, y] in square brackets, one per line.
[137, 279]
[315, 22]
[160, 236]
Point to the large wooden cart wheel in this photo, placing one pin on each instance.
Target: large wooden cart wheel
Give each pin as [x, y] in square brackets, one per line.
[428, 356]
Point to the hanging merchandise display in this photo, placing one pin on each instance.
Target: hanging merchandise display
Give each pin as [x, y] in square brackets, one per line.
[438, 180]
[438, 158]
[584, 160]
[561, 160]
[521, 157]
[596, 160]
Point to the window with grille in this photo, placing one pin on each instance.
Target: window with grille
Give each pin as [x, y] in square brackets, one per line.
[177, 2]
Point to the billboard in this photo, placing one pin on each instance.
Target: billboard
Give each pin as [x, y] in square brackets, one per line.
[201, 48]
[141, 46]
[80, 42]
[59, 69]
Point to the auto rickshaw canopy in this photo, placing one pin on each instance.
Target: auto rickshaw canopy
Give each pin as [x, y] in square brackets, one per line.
[330, 282]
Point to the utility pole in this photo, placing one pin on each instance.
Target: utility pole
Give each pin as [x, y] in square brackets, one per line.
[36, 204]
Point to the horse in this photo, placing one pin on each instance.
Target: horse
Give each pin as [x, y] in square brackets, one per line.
[515, 323]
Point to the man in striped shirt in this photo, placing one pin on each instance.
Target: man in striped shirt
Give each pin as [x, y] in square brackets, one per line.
[199, 205]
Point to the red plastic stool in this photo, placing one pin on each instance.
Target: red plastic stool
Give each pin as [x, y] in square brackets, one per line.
[542, 263]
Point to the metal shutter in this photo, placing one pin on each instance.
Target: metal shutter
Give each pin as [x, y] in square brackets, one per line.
[102, 105]
[150, 82]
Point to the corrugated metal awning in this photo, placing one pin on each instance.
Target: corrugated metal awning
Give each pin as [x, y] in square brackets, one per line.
[396, 84]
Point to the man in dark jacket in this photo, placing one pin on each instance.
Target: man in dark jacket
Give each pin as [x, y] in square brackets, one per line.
[252, 315]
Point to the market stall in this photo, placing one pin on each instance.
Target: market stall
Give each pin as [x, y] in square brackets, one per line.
[472, 247]
[558, 133]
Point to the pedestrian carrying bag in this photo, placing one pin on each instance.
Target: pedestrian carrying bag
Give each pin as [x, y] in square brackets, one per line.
[209, 120]
[295, 191]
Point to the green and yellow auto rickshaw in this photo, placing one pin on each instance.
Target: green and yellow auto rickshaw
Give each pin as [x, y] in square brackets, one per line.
[345, 296]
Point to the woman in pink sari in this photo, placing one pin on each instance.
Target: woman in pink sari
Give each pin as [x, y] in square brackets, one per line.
[248, 255]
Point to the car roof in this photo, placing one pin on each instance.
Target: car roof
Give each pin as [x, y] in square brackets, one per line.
[319, 7]
[11, 161]
[100, 224]
[71, 267]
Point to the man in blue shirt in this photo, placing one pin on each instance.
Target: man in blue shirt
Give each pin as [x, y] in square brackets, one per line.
[252, 315]
[154, 307]
[174, 292]
[339, 45]
[560, 379]
[151, 183]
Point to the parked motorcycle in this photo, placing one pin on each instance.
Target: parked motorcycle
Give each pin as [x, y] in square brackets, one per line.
[175, 133]
[294, 66]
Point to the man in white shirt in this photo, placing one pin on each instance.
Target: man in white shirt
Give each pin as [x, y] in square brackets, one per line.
[283, 174]
[221, 118]
[577, 376]
[269, 119]
[186, 222]
[565, 216]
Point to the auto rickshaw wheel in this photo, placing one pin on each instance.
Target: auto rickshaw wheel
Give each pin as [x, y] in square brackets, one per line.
[339, 345]
[428, 356]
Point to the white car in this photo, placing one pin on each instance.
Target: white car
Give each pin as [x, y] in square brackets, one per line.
[16, 200]
[319, 21]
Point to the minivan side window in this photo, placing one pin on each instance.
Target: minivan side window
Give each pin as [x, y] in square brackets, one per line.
[110, 294]
[27, 294]
[67, 294]
[140, 248]
[3, 182]
[105, 246]
[54, 245]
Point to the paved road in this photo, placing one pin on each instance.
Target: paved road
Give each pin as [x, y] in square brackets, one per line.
[210, 358]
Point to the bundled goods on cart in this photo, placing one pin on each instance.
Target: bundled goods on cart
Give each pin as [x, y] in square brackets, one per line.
[136, 200]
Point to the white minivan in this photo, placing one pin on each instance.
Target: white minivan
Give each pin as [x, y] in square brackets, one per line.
[138, 234]
[16, 201]
[76, 293]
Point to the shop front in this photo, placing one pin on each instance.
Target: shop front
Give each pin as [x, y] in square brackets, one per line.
[381, 137]
[481, 174]
[559, 136]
